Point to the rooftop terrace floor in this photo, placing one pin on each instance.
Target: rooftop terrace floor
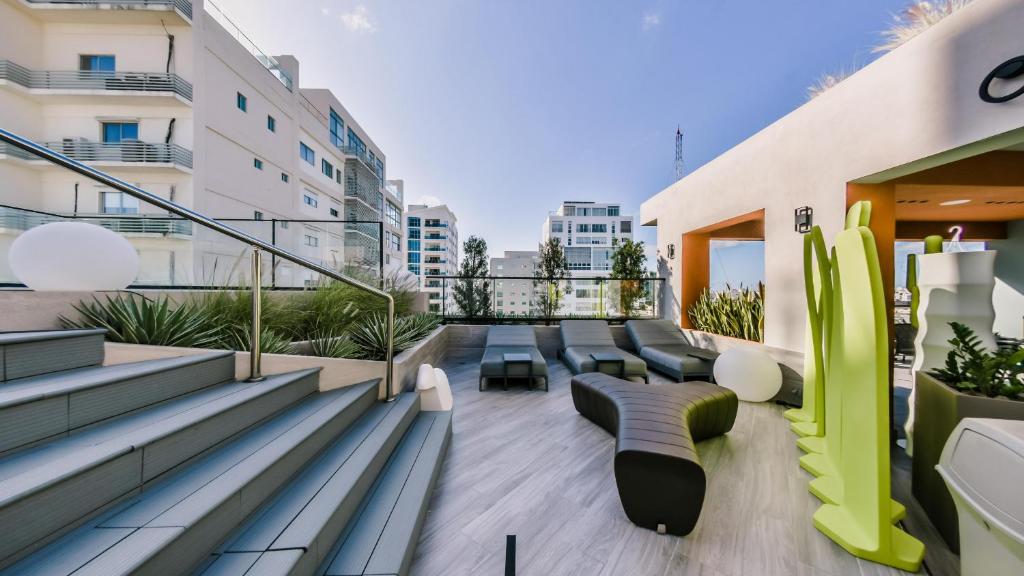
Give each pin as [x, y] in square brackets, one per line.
[526, 463]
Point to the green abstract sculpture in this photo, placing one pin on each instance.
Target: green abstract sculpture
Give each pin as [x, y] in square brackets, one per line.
[858, 515]
[933, 244]
[915, 292]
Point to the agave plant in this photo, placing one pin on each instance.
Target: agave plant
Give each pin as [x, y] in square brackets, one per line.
[239, 337]
[916, 18]
[139, 320]
[735, 313]
[371, 335]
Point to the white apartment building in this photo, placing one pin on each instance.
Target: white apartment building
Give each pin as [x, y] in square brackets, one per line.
[170, 96]
[588, 232]
[394, 200]
[433, 249]
[513, 285]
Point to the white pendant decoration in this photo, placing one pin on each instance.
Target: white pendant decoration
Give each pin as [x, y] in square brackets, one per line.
[73, 256]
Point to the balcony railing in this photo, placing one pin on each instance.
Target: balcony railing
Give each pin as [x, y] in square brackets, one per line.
[129, 151]
[363, 157]
[20, 219]
[183, 6]
[435, 237]
[94, 80]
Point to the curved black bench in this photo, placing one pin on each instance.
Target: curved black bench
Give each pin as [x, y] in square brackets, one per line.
[657, 470]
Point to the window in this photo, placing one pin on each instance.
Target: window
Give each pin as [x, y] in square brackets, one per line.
[284, 225]
[257, 163]
[380, 169]
[396, 243]
[626, 226]
[598, 227]
[556, 226]
[118, 203]
[327, 168]
[598, 211]
[414, 257]
[578, 258]
[310, 200]
[115, 132]
[414, 222]
[414, 233]
[583, 227]
[242, 102]
[312, 241]
[415, 269]
[307, 154]
[271, 124]
[356, 142]
[613, 210]
[337, 129]
[95, 63]
[393, 214]
[337, 175]
[257, 215]
[284, 177]
[414, 245]
[334, 212]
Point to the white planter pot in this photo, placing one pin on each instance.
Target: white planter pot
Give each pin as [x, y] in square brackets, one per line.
[954, 287]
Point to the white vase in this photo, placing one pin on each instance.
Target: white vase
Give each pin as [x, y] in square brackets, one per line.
[954, 287]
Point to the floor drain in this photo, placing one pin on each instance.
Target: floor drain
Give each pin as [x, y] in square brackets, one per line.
[510, 555]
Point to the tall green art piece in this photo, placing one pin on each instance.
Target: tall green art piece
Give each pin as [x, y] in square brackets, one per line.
[915, 291]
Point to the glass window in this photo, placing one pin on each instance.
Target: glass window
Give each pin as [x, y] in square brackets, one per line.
[393, 212]
[257, 163]
[356, 142]
[414, 233]
[414, 222]
[583, 227]
[598, 227]
[578, 258]
[114, 132]
[95, 63]
[242, 102]
[599, 212]
[556, 226]
[327, 168]
[334, 212]
[613, 210]
[626, 226]
[271, 124]
[309, 200]
[337, 175]
[311, 240]
[307, 154]
[118, 203]
[284, 177]
[337, 129]
[257, 215]
[396, 243]
[414, 245]
[380, 168]
[414, 257]
[415, 269]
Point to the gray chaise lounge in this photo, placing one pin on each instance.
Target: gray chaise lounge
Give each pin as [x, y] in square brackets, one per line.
[582, 340]
[502, 340]
[664, 349]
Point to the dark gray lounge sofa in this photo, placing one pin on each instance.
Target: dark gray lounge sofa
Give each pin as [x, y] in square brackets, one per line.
[664, 349]
[583, 339]
[503, 340]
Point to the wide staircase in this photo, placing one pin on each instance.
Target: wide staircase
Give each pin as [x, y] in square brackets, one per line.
[173, 466]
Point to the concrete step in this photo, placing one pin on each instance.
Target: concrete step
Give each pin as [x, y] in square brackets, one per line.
[46, 490]
[48, 405]
[24, 354]
[310, 513]
[382, 538]
[176, 523]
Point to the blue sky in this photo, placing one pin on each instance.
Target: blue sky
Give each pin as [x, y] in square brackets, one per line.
[501, 108]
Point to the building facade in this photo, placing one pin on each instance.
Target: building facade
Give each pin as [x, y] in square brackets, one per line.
[394, 232]
[588, 232]
[513, 286]
[432, 249]
[170, 96]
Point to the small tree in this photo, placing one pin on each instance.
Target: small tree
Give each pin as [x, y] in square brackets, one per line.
[549, 275]
[629, 261]
[472, 293]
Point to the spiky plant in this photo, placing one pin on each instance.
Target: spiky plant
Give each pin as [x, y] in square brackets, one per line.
[239, 337]
[917, 17]
[735, 313]
[371, 335]
[331, 345]
[139, 320]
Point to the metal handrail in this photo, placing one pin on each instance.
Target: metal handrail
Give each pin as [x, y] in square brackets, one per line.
[113, 81]
[257, 245]
[128, 151]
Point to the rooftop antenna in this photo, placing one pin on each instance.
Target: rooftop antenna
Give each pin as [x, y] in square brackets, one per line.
[679, 154]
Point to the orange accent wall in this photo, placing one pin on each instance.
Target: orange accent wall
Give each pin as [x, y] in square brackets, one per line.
[695, 266]
[883, 226]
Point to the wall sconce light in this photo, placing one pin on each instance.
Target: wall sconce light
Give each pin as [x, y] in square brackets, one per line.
[671, 251]
[804, 217]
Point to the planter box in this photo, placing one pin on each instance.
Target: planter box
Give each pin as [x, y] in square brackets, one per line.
[939, 409]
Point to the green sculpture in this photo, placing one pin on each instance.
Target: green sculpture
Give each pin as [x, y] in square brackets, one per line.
[859, 511]
[933, 244]
[915, 292]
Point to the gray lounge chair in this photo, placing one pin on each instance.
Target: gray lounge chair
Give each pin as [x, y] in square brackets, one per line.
[588, 346]
[502, 340]
[664, 349]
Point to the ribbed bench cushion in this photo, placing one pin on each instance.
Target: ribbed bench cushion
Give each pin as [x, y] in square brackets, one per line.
[657, 468]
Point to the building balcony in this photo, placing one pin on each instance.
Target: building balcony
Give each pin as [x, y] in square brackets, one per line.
[124, 153]
[434, 224]
[434, 249]
[364, 159]
[128, 225]
[78, 83]
[71, 10]
[436, 261]
[435, 237]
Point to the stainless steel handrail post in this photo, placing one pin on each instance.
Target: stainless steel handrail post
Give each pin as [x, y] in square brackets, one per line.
[164, 204]
[256, 322]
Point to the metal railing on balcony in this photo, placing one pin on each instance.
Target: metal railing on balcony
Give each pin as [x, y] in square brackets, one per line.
[363, 156]
[12, 218]
[128, 151]
[94, 80]
[268, 62]
[435, 237]
[497, 299]
[183, 6]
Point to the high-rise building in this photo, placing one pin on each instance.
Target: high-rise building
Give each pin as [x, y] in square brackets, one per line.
[513, 286]
[169, 95]
[394, 216]
[588, 232]
[432, 239]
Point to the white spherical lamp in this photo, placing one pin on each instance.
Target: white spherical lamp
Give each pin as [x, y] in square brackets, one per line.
[73, 256]
[751, 373]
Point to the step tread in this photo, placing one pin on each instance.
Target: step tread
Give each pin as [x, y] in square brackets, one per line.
[21, 482]
[44, 335]
[42, 386]
[162, 513]
[380, 538]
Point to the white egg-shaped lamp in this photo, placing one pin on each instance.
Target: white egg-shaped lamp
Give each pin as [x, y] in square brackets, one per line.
[751, 373]
[73, 256]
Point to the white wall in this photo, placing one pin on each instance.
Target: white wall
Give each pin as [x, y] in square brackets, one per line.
[1008, 296]
[903, 110]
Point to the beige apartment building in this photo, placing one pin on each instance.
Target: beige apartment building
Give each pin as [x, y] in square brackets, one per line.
[513, 286]
[433, 250]
[169, 95]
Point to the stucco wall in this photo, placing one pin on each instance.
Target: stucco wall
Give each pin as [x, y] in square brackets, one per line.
[913, 108]
[1008, 296]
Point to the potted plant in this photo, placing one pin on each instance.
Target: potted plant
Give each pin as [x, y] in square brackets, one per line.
[973, 383]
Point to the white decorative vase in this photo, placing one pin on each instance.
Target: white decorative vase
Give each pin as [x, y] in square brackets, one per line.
[954, 287]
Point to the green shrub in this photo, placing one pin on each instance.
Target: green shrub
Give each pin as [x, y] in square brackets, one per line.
[973, 369]
[371, 334]
[139, 320]
[735, 313]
